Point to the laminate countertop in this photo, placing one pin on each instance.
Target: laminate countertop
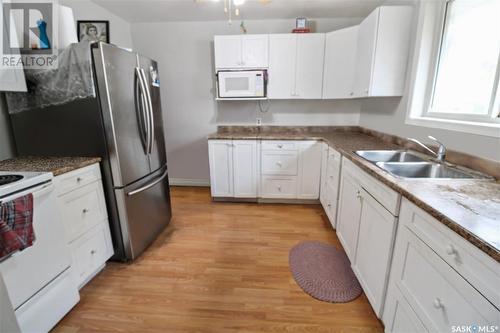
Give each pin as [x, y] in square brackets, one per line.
[469, 207]
[56, 165]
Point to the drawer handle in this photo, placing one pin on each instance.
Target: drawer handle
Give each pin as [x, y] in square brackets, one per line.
[279, 188]
[358, 195]
[279, 164]
[451, 250]
[438, 304]
[329, 205]
[92, 252]
[79, 180]
[85, 211]
[280, 146]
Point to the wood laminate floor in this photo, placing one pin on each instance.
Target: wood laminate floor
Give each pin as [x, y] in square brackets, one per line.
[219, 267]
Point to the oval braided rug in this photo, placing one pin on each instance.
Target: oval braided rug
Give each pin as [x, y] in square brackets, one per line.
[323, 272]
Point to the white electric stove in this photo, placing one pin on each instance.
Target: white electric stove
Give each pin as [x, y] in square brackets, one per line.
[12, 182]
[38, 279]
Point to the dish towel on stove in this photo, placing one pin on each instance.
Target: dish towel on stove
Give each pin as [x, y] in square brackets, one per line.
[16, 225]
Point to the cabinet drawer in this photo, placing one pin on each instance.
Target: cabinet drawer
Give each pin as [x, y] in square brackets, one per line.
[279, 145]
[82, 209]
[279, 187]
[440, 297]
[280, 163]
[72, 180]
[389, 198]
[90, 252]
[476, 267]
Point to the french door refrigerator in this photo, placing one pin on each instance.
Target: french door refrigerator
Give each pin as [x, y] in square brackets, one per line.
[123, 124]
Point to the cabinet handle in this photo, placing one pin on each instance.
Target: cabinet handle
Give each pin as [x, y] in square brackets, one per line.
[79, 179]
[92, 252]
[351, 93]
[280, 146]
[279, 164]
[329, 205]
[358, 195]
[279, 188]
[85, 211]
[366, 91]
[438, 304]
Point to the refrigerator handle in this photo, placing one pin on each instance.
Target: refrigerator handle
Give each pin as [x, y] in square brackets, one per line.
[145, 91]
[149, 185]
[150, 109]
[140, 106]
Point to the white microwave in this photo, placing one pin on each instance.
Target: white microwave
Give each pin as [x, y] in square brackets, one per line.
[242, 84]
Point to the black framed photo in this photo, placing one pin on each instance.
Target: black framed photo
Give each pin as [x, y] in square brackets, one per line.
[93, 31]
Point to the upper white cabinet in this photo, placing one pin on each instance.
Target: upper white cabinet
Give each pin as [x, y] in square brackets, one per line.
[382, 52]
[241, 51]
[340, 63]
[296, 66]
[233, 168]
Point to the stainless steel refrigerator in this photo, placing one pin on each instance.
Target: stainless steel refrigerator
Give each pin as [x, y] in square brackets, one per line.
[123, 124]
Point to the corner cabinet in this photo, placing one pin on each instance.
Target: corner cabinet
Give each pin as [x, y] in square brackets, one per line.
[296, 66]
[266, 169]
[241, 51]
[382, 52]
[340, 63]
[233, 168]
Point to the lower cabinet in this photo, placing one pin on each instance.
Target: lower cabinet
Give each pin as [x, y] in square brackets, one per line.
[233, 168]
[366, 230]
[81, 202]
[268, 169]
[435, 288]
[330, 180]
[374, 249]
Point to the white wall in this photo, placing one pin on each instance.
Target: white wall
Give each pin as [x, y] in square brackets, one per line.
[119, 29]
[184, 51]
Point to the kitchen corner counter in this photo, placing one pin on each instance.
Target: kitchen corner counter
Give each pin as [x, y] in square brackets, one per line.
[56, 165]
[471, 208]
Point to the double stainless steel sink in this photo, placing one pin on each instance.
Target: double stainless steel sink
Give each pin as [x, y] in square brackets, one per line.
[411, 165]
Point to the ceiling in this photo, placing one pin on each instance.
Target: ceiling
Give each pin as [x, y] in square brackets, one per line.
[209, 10]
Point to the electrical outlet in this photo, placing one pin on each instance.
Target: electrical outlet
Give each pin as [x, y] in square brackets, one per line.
[259, 121]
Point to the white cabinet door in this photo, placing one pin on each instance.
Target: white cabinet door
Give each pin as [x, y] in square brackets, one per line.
[245, 168]
[220, 155]
[310, 60]
[340, 63]
[324, 164]
[391, 53]
[367, 36]
[309, 170]
[255, 51]
[374, 250]
[382, 52]
[282, 64]
[228, 51]
[399, 317]
[349, 212]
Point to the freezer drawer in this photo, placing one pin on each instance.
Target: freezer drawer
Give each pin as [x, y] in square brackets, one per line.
[145, 211]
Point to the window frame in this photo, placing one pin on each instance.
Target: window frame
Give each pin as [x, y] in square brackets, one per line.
[430, 32]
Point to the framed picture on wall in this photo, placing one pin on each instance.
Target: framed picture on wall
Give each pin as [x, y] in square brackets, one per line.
[93, 31]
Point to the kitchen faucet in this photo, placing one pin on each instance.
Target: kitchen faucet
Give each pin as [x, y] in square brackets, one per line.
[441, 153]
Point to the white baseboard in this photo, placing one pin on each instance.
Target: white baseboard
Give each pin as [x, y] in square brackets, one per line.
[189, 182]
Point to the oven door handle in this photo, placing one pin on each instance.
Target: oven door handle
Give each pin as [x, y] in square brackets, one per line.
[149, 185]
[36, 191]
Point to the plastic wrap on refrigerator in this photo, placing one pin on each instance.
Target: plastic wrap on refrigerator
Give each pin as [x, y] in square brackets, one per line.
[71, 80]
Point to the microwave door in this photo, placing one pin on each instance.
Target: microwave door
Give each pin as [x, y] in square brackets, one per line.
[236, 85]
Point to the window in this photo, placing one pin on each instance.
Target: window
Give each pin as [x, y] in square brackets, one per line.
[466, 77]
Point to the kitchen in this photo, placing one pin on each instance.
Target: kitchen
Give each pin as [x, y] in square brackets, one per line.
[340, 177]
